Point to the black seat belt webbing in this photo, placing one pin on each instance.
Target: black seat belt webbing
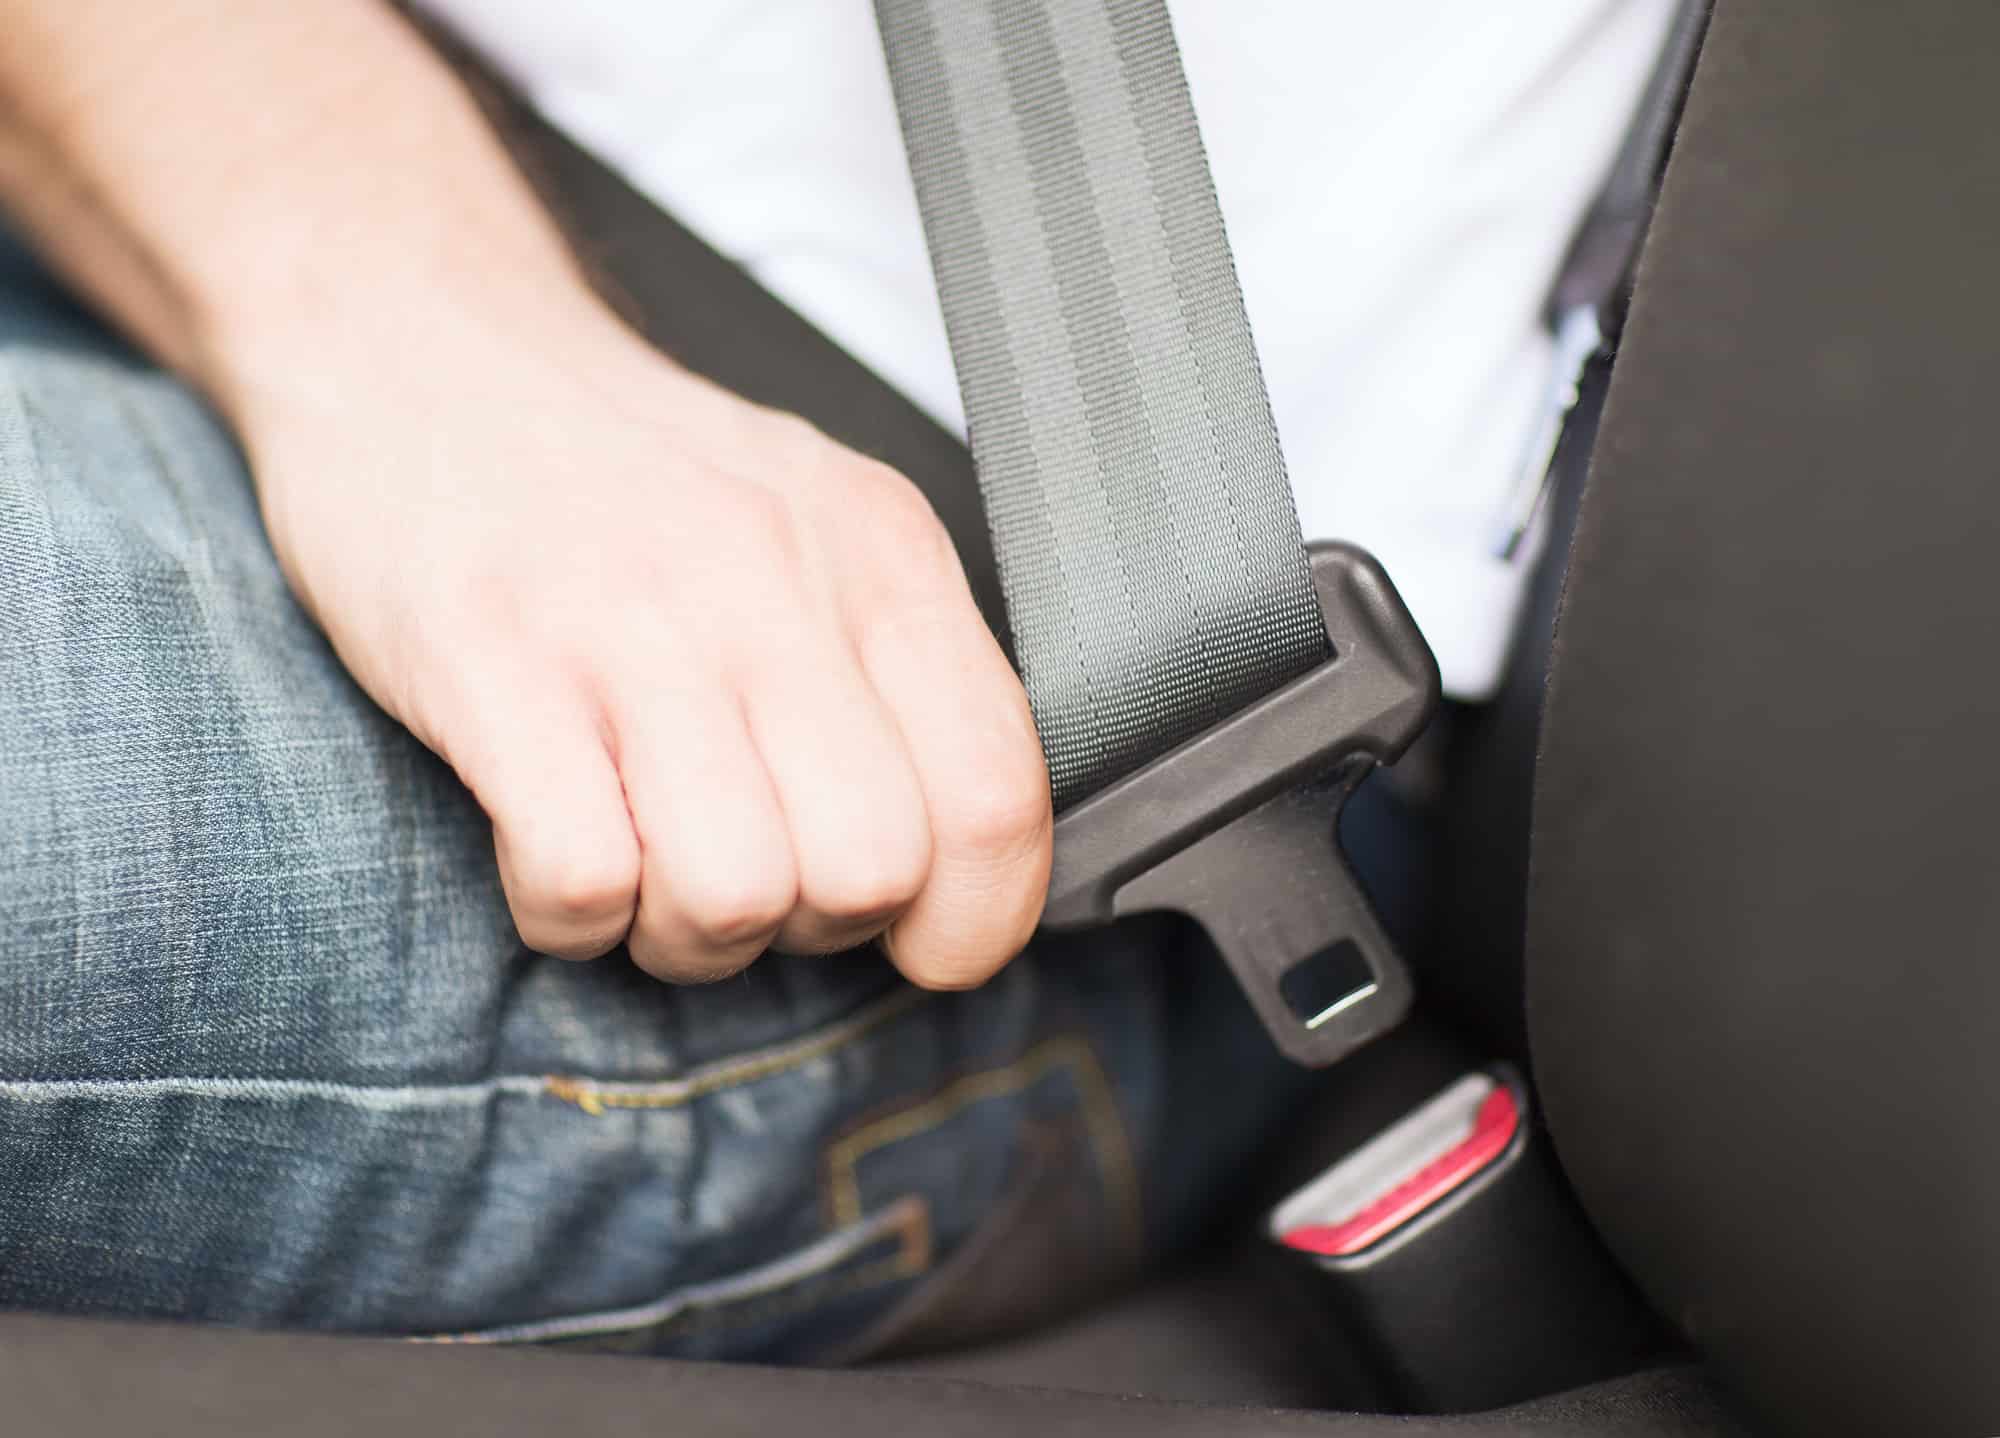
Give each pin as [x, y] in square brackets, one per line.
[1155, 576]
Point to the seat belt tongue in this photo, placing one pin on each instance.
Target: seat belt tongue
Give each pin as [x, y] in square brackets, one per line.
[1238, 827]
[1205, 693]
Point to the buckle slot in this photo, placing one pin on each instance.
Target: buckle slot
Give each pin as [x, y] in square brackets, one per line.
[1237, 828]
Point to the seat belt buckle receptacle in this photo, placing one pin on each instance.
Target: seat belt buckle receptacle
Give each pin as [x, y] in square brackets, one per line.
[1238, 827]
[1451, 1261]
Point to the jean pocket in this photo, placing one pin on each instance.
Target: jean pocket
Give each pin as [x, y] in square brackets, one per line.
[1063, 1228]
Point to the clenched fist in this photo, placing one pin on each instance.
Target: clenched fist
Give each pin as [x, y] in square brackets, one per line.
[719, 681]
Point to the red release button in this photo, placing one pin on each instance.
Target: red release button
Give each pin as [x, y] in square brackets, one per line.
[1454, 1138]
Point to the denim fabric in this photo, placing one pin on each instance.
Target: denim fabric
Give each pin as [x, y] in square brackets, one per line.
[272, 1053]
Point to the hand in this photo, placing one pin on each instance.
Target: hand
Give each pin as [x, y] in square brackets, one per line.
[718, 681]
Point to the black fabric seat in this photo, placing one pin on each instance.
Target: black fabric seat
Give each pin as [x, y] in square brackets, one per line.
[86, 1379]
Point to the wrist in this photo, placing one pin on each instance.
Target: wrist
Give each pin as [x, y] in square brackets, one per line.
[279, 315]
[399, 337]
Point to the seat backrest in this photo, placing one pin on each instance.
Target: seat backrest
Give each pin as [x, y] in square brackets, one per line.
[1764, 920]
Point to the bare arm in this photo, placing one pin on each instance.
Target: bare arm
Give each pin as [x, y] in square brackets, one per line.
[717, 680]
[215, 172]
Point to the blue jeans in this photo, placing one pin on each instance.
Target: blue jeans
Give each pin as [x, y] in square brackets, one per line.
[272, 1053]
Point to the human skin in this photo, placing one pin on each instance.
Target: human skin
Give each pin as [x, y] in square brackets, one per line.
[718, 681]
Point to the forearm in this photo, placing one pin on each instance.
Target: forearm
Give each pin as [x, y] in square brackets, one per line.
[252, 188]
[718, 681]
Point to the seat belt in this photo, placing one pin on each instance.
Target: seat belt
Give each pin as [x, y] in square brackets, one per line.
[1207, 694]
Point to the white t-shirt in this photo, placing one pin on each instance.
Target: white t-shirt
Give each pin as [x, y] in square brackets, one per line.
[1399, 182]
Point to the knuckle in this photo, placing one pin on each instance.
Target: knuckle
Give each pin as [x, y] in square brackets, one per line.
[574, 907]
[877, 880]
[765, 518]
[747, 530]
[797, 433]
[689, 964]
[776, 426]
[743, 908]
[770, 543]
[581, 889]
[478, 602]
[904, 524]
[887, 519]
[1003, 812]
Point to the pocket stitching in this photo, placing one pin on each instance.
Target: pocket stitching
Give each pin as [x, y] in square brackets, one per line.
[1104, 1125]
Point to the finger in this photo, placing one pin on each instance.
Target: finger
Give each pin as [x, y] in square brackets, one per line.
[717, 876]
[850, 795]
[533, 754]
[966, 721]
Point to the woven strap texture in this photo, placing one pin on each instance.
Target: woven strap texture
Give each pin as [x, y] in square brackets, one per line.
[1148, 546]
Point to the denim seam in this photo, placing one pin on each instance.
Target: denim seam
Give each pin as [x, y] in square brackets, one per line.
[591, 1096]
[791, 1277]
[1103, 1124]
[595, 1097]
